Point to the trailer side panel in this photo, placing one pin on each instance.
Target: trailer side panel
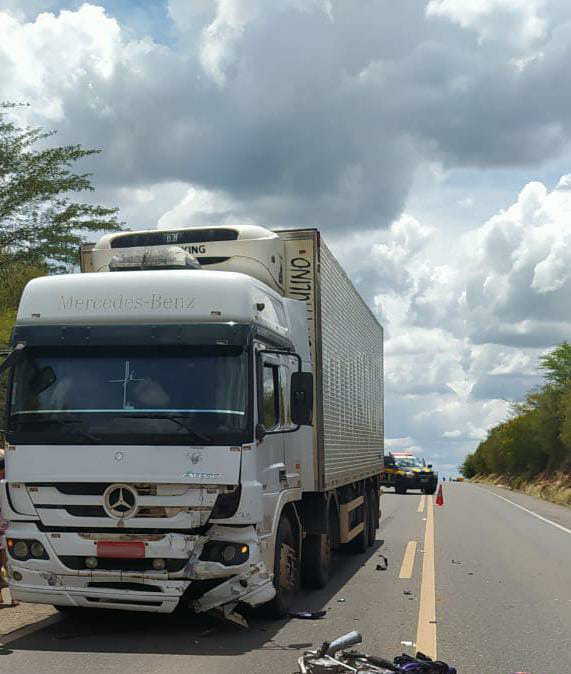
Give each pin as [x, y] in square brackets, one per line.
[347, 354]
[352, 374]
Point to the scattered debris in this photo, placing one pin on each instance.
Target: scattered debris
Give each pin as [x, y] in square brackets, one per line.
[408, 644]
[455, 561]
[407, 592]
[341, 600]
[470, 573]
[384, 564]
[307, 615]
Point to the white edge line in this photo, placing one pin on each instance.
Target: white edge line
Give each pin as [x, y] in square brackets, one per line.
[22, 632]
[517, 505]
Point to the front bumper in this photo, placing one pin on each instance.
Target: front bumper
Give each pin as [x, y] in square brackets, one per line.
[416, 481]
[51, 582]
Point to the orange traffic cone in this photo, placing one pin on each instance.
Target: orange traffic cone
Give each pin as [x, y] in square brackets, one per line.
[439, 497]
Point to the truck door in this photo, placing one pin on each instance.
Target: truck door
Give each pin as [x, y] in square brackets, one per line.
[271, 450]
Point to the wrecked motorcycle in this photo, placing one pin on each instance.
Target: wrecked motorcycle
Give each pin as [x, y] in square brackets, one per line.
[326, 661]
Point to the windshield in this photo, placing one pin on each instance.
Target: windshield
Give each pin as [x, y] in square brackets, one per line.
[134, 395]
[410, 462]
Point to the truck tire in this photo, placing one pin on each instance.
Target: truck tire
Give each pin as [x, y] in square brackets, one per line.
[400, 490]
[316, 560]
[431, 489]
[373, 517]
[286, 570]
[360, 543]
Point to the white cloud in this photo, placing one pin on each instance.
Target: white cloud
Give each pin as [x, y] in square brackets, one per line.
[272, 112]
[45, 59]
[518, 22]
[222, 24]
[200, 207]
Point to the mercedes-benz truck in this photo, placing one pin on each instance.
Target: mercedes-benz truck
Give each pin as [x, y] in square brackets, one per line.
[194, 420]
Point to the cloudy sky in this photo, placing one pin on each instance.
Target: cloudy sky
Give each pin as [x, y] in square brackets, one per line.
[427, 139]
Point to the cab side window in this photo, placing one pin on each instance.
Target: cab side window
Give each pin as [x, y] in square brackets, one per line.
[270, 412]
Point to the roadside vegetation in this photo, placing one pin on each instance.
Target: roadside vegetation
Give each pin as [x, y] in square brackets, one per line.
[41, 225]
[531, 450]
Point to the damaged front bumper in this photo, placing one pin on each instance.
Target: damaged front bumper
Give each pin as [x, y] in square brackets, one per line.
[201, 585]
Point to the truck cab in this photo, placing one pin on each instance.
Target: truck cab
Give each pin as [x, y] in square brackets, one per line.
[167, 443]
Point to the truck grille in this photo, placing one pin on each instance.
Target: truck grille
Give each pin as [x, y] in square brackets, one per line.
[76, 505]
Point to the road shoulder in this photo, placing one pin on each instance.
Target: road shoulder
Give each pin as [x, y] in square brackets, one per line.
[551, 511]
[14, 618]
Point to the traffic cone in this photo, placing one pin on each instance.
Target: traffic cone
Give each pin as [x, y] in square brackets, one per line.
[439, 497]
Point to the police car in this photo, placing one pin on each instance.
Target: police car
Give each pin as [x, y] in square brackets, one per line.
[404, 470]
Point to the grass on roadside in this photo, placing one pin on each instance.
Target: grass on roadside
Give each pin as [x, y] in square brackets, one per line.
[555, 487]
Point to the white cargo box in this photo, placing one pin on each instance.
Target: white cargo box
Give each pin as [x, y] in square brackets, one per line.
[347, 353]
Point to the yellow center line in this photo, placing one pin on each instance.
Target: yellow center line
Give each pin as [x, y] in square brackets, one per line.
[426, 631]
[421, 504]
[408, 560]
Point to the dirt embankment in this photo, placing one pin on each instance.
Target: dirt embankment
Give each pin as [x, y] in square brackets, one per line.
[554, 487]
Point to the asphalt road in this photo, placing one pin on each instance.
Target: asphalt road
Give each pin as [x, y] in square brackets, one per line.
[489, 591]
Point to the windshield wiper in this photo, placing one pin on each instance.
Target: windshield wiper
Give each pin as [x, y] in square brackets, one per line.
[174, 418]
[63, 423]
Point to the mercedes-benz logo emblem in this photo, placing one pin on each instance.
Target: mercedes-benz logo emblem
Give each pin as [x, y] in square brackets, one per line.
[120, 501]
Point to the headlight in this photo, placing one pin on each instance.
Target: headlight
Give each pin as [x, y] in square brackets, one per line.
[229, 554]
[37, 550]
[21, 550]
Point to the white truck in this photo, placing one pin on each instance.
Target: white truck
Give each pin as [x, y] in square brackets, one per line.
[196, 420]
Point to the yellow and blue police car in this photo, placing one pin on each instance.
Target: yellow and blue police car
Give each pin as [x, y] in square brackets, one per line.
[404, 470]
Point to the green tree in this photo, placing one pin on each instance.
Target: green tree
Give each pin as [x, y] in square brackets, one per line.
[40, 223]
[556, 366]
[12, 282]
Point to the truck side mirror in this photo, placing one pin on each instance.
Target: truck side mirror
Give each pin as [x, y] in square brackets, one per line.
[301, 400]
[429, 465]
[260, 432]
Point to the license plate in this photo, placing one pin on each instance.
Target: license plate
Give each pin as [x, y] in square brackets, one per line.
[121, 549]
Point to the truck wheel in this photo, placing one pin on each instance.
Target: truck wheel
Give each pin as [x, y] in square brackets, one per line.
[286, 570]
[360, 543]
[373, 517]
[430, 490]
[316, 560]
[400, 490]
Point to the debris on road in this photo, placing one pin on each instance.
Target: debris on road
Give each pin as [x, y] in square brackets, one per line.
[384, 564]
[454, 561]
[407, 592]
[341, 600]
[307, 615]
